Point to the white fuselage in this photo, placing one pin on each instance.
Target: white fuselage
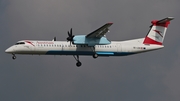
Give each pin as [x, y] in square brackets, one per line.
[116, 48]
[95, 44]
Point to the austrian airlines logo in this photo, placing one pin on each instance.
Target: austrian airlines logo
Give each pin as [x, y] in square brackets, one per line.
[30, 42]
[159, 32]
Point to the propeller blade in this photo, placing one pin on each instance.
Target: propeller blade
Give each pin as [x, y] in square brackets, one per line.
[69, 34]
[71, 31]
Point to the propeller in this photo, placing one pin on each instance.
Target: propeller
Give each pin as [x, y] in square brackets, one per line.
[70, 36]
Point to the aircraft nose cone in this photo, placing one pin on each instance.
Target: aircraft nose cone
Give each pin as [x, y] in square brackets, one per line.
[9, 50]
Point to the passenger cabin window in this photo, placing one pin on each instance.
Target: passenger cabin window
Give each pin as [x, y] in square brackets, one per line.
[18, 43]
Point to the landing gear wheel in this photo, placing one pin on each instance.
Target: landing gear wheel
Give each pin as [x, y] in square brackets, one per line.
[95, 56]
[76, 57]
[13, 57]
[78, 64]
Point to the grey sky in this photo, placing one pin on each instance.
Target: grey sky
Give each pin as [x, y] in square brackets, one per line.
[144, 77]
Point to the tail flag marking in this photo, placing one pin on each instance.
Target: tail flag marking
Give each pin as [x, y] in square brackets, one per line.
[157, 32]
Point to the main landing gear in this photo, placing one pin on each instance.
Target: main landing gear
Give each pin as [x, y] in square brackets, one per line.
[76, 57]
[95, 55]
[14, 57]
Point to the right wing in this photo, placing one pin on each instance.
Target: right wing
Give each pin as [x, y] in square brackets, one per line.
[100, 32]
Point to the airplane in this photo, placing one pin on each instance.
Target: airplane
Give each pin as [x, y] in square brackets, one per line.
[95, 43]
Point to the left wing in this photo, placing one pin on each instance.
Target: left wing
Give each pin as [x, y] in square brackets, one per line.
[100, 32]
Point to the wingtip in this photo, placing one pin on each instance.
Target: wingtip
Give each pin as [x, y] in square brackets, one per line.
[110, 23]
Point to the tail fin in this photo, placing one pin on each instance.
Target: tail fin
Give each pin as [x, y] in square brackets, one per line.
[157, 32]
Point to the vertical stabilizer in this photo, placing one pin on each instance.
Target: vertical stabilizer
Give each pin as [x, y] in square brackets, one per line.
[157, 32]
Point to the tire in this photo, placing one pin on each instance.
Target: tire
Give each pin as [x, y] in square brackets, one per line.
[95, 56]
[78, 64]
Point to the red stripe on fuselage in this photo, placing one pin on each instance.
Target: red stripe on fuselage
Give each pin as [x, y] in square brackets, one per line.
[30, 42]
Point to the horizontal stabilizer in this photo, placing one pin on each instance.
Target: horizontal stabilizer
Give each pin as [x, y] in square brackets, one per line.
[165, 20]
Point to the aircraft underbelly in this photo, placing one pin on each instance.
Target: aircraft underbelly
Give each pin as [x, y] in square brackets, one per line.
[113, 51]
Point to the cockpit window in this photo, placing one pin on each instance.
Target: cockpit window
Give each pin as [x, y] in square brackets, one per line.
[18, 43]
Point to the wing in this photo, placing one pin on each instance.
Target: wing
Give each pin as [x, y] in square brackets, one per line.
[100, 32]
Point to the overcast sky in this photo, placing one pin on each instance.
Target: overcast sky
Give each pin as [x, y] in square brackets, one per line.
[152, 76]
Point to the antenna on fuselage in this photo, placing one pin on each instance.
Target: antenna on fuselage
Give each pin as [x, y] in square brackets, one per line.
[54, 39]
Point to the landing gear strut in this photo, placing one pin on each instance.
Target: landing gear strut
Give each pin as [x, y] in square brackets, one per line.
[95, 55]
[76, 57]
[14, 57]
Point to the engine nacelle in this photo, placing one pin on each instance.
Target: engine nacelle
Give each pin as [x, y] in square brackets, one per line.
[82, 40]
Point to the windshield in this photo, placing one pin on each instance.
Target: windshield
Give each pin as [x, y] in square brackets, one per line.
[18, 43]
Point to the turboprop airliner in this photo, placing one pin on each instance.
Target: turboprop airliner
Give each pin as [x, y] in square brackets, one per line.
[95, 43]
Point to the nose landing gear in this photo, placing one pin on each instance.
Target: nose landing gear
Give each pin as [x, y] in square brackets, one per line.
[14, 57]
